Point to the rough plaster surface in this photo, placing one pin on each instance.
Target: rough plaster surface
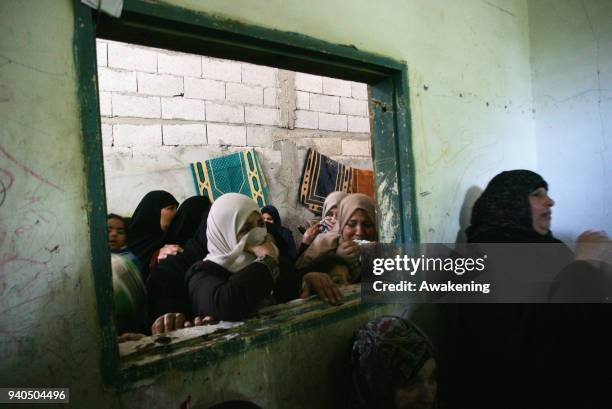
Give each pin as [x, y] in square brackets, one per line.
[572, 88]
[49, 335]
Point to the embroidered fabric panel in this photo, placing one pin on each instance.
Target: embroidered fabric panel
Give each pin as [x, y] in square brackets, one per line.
[239, 172]
[322, 175]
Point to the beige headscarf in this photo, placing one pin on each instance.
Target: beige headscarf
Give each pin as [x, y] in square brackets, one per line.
[332, 200]
[325, 243]
[227, 216]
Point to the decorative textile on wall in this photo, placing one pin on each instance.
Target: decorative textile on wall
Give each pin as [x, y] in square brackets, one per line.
[239, 172]
[322, 175]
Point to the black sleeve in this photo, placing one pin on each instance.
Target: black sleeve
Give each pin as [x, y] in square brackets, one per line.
[228, 296]
[289, 282]
[166, 289]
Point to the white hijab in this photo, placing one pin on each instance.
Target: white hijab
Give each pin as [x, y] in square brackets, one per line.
[227, 216]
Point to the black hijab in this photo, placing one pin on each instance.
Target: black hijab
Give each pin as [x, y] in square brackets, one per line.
[288, 243]
[272, 211]
[166, 286]
[145, 233]
[187, 219]
[502, 214]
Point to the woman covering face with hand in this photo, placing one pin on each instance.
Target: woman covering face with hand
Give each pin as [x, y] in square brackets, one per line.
[242, 264]
[337, 252]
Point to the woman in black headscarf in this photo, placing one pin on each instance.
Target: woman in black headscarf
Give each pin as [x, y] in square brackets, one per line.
[514, 208]
[520, 350]
[287, 247]
[166, 284]
[150, 220]
[392, 366]
[183, 227]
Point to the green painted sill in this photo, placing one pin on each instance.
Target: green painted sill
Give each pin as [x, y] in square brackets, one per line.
[198, 346]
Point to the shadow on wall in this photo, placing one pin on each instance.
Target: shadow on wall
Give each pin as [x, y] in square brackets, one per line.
[472, 194]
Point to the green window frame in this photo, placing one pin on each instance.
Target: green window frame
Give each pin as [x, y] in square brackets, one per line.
[175, 28]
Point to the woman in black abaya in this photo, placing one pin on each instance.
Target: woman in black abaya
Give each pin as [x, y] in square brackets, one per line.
[150, 220]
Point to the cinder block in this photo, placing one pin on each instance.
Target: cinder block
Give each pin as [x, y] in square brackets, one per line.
[271, 96]
[179, 64]
[307, 82]
[258, 75]
[302, 100]
[330, 122]
[131, 57]
[358, 124]
[306, 119]
[105, 104]
[261, 116]
[220, 134]
[101, 57]
[324, 103]
[221, 70]
[137, 135]
[224, 113]
[107, 135]
[136, 106]
[259, 136]
[350, 106]
[355, 148]
[184, 134]
[183, 108]
[333, 86]
[159, 84]
[327, 146]
[199, 88]
[359, 90]
[245, 94]
[114, 80]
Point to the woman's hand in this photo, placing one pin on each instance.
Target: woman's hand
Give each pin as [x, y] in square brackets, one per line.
[310, 234]
[329, 222]
[169, 250]
[348, 250]
[207, 320]
[323, 285]
[266, 248]
[169, 322]
[593, 246]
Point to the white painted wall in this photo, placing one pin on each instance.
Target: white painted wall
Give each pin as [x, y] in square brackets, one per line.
[571, 48]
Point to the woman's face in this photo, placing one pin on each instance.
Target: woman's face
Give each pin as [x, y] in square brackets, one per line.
[116, 234]
[359, 227]
[167, 214]
[422, 393]
[333, 212]
[254, 220]
[541, 212]
[267, 218]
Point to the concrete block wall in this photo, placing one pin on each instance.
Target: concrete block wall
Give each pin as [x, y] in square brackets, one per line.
[162, 110]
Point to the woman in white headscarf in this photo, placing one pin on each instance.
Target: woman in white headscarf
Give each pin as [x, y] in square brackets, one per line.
[326, 224]
[241, 267]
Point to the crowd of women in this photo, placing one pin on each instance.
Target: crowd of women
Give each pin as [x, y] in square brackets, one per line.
[176, 266]
[203, 262]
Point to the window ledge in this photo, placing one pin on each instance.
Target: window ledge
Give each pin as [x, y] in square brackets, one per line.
[198, 346]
